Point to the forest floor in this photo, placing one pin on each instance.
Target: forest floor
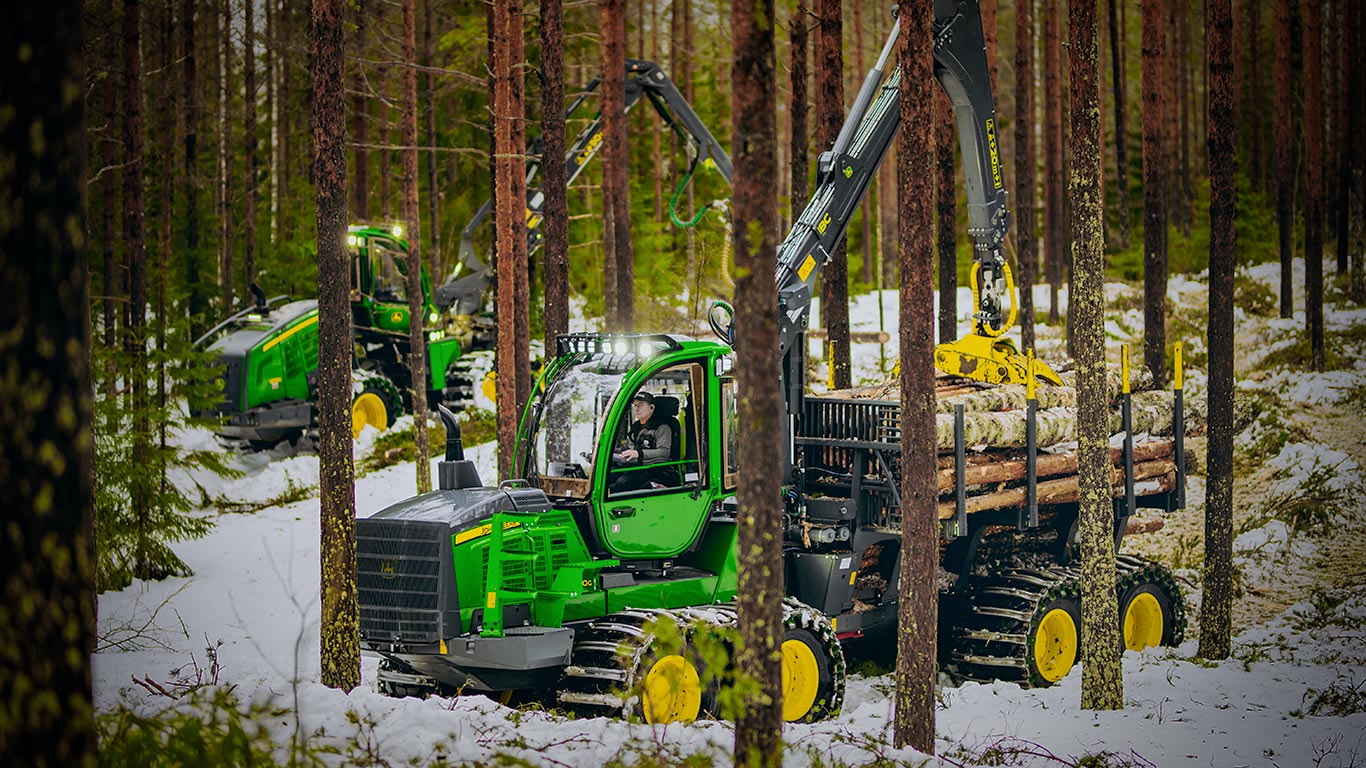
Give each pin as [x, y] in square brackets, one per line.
[241, 634]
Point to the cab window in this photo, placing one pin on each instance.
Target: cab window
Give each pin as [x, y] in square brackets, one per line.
[655, 445]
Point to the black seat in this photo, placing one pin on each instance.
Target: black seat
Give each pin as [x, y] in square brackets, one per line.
[666, 412]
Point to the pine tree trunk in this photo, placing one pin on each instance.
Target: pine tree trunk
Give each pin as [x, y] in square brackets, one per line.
[800, 158]
[412, 217]
[1285, 156]
[1255, 96]
[1026, 216]
[759, 595]
[249, 110]
[1154, 186]
[109, 159]
[165, 161]
[1121, 135]
[615, 171]
[46, 705]
[340, 629]
[1345, 148]
[272, 114]
[1181, 30]
[1216, 607]
[554, 173]
[829, 61]
[360, 123]
[1102, 685]
[1053, 172]
[189, 95]
[434, 257]
[510, 224]
[1358, 203]
[226, 88]
[135, 255]
[1312, 29]
[946, 216]
[918, 609]
[386, 199]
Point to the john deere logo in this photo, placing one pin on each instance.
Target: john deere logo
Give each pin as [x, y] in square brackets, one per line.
[386, 570]
[396, 316]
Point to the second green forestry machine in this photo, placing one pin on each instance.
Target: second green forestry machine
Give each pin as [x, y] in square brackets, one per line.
[625, 512]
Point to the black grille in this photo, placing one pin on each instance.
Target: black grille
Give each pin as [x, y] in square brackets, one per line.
[233, 375]
[405, 581]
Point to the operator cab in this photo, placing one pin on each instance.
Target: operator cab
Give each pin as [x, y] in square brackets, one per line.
[620, 434]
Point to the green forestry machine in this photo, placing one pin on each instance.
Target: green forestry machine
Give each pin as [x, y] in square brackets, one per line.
[269, 351]
[557, 581]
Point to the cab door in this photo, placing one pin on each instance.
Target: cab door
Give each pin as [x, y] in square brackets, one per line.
[660, 522]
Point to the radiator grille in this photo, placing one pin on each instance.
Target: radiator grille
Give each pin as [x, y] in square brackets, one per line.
[405, 581]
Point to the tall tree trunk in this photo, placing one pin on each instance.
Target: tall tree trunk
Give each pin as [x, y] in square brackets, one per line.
[412, 217]
[1026, 216]
[197, 303]
[1357, 116]
[918, 608]
[1181, 31]
[829, 61]
[758, 728]
[801, 161]
[554, 173]
[1285, 156]
[946, 210]
[272, 113]
[1255, 96]
[1121, 136]
[1154, 186]
[866, 207]
[434, 258]
[1053, 173]
[510, 224]
[1102, 684]
[165, 160]
[360, 122]
[386, 127]
[340, 630]
[109, 160]
[1216, 609]
[249, 110]
[1312, 29]
[46, 701]
[615, 173]
[135, 254]
[1348, 68]
[226, 88]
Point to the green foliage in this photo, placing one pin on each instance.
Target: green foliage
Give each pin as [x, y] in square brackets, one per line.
[211, 729]
[139, 510]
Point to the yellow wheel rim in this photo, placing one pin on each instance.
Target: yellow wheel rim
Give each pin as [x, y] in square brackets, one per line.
[1055, 645]
[673, 691]
[801, 680]
[1143, 622]
[490, 386]
[368, 410]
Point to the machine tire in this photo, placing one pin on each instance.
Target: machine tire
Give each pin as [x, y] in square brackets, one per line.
[1152, 609]
[1054, 640]
[377, 404]
[813, 665]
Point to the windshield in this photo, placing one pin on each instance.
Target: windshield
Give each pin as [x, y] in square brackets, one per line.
[571, 417]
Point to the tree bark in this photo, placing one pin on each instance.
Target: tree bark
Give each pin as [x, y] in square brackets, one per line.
[434, 259]
[918, 608]
[554, 174]
[412, 216]
[340, 630]
[226, 88]
[510, 226]
[360, 123]
[196, 302]
[801, 160]
[135, 256]
[866, 207]
[758, 728]
[46, 701]
[1053, 173]
[946, 216]
[1346, 59]
[109, 159]
[1285, 156]
[249, 112]
[615, 170]
[829, 60]
[1154, 186]
[1312, 30]
[1358, 204]
[1182, 116]
[1216, 608]
[1026, 216]
[1255, 97]
[1121, 136]
[1102, 684]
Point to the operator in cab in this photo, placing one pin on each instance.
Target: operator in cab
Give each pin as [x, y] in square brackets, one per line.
[648, 441]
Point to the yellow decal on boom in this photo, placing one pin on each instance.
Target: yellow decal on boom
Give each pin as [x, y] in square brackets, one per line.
[483, 530]
[589, 148]
[823, 223]
[805, 269]
[305, 324]
[493, 600]
[993, 152]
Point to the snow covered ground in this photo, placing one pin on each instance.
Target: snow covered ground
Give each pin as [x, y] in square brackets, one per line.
[1294, 693]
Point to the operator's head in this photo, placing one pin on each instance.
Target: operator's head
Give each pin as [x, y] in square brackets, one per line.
[643, 406]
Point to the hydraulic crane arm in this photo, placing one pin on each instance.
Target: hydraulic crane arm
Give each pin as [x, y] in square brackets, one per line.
[845, 173]
[643, 78]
